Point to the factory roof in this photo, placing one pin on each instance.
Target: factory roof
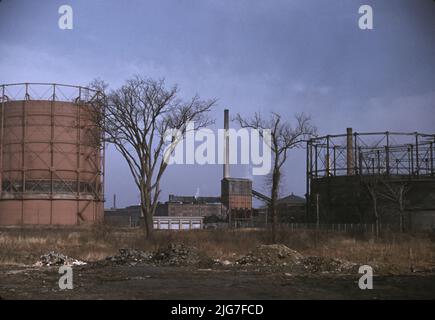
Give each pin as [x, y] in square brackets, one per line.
[237, 179]
[292, 199]
[193, 199]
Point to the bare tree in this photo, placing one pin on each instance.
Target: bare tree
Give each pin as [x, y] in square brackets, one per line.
[395, 192]
[268, 182]
[137, 118]
[283, 138]
[371, 183]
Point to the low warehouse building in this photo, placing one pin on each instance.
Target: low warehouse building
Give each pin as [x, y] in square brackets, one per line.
[290, 209]
[194, 206]
[178, 223]
[179, 212]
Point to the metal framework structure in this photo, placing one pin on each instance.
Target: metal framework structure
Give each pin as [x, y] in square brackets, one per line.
[261, 196]
[47, 152]
[409, 155]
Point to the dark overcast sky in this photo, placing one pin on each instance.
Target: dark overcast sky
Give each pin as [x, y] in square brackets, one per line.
[283, 56]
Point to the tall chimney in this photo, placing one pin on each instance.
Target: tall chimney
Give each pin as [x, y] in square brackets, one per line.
[349, 148]
[114, 201]
[226, 144]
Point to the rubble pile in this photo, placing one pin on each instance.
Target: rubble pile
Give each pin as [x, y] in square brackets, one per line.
[279, 255]
[315, 264]
[180, 255]
[130, 256]
[271, 255]
[57, 259]
[172, 255]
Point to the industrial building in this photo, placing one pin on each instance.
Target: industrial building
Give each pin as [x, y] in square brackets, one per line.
[343, 169]
[290, 209]
[191, 206]
[236, 193]
[130, 217]
[178, 223]
[187, 209]
[123, 217]
[51, 157]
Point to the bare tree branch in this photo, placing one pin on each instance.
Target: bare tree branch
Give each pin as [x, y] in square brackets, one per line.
[283, 138]
[135, 118]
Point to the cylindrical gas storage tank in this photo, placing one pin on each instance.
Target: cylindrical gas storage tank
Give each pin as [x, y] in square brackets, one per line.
[363, 177]
[51, 156]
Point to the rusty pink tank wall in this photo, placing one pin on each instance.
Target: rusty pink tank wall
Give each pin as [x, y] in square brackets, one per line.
[51, 168]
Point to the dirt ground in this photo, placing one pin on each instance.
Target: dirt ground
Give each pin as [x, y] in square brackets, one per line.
[158, 282]
[220, 264]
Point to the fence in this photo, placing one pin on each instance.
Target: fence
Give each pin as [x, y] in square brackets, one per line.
[337, 227]
[333, 227]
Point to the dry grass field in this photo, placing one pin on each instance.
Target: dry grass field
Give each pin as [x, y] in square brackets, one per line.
[391, 253]
[403, 264]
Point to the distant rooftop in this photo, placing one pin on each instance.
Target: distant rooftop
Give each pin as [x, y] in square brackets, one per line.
[193, 199]
[292, 199]
[237, 179]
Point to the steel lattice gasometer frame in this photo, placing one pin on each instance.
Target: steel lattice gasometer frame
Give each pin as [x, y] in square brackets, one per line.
[388, 153]
[337, 166]
[51, 156]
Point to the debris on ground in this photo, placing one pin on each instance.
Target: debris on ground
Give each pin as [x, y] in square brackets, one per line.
[171, 255]
[271, 255]
[130, 256]
[57, 259]
[223, 262]
[279, 255]
[181, 255]
[315, 264]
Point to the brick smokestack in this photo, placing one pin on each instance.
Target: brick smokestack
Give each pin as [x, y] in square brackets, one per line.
[226, 144]
[349, 149]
